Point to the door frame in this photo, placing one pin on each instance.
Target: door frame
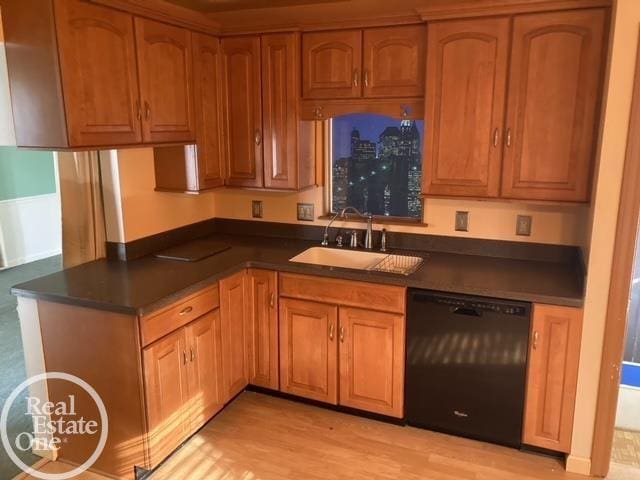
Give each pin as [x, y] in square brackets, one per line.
[619, 290]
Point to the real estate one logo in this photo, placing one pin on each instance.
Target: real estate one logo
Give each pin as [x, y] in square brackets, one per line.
[54, 423]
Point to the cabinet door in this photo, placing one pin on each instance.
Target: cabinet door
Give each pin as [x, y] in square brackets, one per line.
[554, 354]
[309, 349]
[331, 64]
[206, 386]
[464, 105]
[166, 392]
[243, 111]
[280, 95]
[165, 67]
[207, 74]
[262, 298]
[234, 338]
[99, 74]
[372, 361]
[554, 95]
[393, 61]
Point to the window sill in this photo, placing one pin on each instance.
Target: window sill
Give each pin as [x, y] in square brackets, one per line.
[378, 220]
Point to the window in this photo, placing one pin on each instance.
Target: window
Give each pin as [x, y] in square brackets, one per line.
[376, 165]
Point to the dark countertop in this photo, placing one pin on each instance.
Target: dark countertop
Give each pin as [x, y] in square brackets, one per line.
[146, 284]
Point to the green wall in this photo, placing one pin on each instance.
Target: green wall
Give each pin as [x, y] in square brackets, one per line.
[24, 173]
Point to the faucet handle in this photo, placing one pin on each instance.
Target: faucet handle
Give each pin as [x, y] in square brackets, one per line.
[354, 239]
[339, 240]
[383, 240]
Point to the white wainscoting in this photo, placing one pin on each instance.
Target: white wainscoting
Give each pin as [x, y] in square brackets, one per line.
[31, 228]
[628, 416]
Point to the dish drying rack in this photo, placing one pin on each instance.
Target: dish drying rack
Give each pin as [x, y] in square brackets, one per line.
[398, 263]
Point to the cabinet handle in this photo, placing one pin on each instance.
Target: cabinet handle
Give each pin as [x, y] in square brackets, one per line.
[272, 300]
[508, 139]
[536, 338]
[496, 137]
[184, 357]
[193, 354]
[356, 76]
[147, 110]
[186, 310]
[366, 78]
[331, 328]
[341, 334]
[138, 110]
[258, 137]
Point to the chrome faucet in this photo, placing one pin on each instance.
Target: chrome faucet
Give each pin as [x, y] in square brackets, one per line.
[368, 239]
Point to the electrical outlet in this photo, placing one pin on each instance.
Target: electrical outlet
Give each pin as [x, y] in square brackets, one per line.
[523, 225]
[256, 208]
[462, 221]
[305, 212]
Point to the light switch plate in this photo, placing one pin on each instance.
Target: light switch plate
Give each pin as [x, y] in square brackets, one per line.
[523, 225]
[305, 212]
[462, 221]
[256, 208]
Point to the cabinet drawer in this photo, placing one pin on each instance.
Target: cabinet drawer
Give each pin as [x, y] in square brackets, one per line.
[384, 298]
[165, 321]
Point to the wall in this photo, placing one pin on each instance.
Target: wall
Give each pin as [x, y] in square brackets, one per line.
[134, 209]
[7, 135]
[603, 224]
[25, 173]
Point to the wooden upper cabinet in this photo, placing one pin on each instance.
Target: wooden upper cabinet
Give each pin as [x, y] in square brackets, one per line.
[262, 321]
[372, 361]
[99, 74]
[165, 66]
[166, 394]
[242, 111]
[393, 61]
[235, 354]
[309, 349]
[280, 97]
[554, 356]
[464, 105]
[208, 76]
[205, 378]
[332, 63]
[553, 105]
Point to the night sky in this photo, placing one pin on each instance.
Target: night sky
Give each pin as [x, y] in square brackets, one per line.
[369, 125]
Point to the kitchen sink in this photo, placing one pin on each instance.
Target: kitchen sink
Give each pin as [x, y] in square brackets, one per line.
[383, 262]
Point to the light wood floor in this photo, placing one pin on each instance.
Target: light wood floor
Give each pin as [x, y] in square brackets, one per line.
[626, 448]
[266, 438]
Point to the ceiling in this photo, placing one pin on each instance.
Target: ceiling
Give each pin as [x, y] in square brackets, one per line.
[213, 6]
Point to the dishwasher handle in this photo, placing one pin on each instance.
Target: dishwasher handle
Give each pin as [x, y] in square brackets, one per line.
[469, 312]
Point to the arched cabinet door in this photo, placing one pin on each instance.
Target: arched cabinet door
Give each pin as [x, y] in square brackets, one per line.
[332, 64]
[393, 61]
[554, 94]
[464, 107]
[99, 73]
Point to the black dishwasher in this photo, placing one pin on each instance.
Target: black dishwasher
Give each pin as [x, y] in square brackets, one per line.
[467, 365]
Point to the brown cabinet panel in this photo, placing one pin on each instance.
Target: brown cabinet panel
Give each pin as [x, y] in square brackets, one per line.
[206, 386]
[393, 61]
[262, 300]
[554, 95]
[165, 67]
[99, 74]
[242, 111]
[280, 96]
[554, 356]
[332, 64]
[166, 393]
[234, 337]
[309, 349]
[464, 103]
[372, 361]
[208, 76]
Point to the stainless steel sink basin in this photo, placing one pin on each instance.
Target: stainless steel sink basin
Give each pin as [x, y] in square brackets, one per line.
[332, 257]
[381, 262]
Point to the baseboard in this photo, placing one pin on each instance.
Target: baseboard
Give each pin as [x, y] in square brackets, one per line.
[578, 465]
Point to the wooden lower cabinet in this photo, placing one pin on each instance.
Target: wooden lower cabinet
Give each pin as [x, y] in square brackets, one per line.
[309, 349]
[235, 347]
[554, 355]
[262, 331]
[372, 361]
